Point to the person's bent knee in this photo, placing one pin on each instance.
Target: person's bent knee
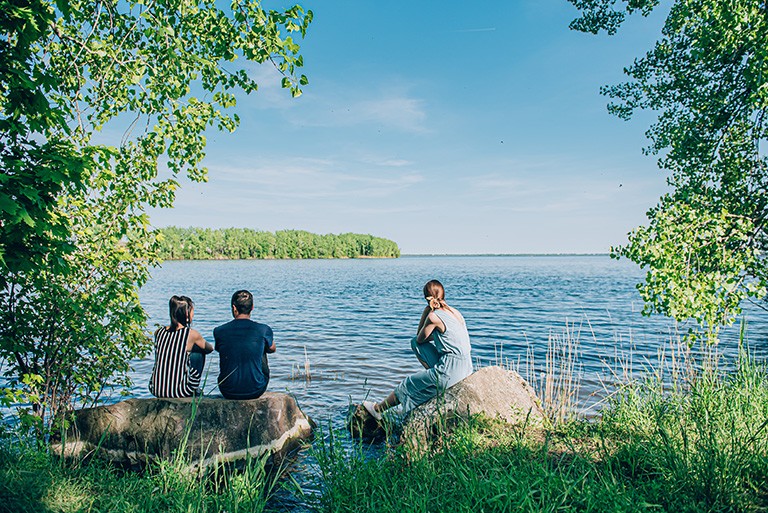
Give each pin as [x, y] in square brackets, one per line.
[415, 345]
[197, 361]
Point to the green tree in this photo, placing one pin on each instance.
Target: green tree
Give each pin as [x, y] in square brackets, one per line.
[37, 157]
[707, 78]
[76, 242]
[241, 243]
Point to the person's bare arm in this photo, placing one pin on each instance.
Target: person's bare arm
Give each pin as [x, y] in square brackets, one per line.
[432, 323]
[196, 339]
[423, 319]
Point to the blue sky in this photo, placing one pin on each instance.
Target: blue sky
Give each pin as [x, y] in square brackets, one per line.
[449, 127]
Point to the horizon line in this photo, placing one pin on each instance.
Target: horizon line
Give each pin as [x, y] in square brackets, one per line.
[500, 254]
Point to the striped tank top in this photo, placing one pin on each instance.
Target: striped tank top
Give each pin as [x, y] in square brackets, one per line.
[172, 375]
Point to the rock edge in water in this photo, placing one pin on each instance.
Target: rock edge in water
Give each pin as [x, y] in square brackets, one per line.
[493, 391]
[135, 432]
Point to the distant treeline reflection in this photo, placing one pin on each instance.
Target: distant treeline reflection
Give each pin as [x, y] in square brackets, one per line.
[242, 243]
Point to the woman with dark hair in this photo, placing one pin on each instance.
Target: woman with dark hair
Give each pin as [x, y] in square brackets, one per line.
[441, 346]
[179, 353]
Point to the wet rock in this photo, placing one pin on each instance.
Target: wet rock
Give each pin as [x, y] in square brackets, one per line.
[361, 424]
[205, 430]
[492, 391]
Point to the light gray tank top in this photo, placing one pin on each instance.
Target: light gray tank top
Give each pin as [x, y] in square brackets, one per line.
[455, 340]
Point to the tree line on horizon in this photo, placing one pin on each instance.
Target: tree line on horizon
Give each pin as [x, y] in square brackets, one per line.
[176, 243]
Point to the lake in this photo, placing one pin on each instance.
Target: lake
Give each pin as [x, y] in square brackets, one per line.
[352, 320]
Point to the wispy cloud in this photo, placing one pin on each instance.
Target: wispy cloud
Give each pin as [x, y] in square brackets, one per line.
[311, 179]
[401, 112]
[557, 184]
[393, 163]
[335, 106]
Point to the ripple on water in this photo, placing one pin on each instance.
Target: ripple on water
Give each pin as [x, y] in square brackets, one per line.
[352, 320]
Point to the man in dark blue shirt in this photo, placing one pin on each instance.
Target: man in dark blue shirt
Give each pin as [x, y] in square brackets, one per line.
[243, 345]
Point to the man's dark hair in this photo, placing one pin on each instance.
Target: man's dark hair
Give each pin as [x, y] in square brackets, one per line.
[242, 300]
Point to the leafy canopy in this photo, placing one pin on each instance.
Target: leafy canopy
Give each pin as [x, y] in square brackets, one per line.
[707, 78]
[75, 240]
[243, 243]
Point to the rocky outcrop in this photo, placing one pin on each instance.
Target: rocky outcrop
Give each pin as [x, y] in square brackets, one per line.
[492, 391]
[207, 430]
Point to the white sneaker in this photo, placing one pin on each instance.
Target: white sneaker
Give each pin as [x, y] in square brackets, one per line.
[370, 407]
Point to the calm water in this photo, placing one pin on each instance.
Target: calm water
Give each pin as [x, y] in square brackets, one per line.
[353, 319]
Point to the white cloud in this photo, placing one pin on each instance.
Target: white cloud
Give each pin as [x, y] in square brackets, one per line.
[331, 105]
[400, 112]
[310, 179]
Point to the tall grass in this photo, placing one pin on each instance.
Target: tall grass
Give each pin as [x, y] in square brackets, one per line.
[481, 466]
[558, 384]
[702, 433]
[34, 480]
[31, 480]
[691, 436]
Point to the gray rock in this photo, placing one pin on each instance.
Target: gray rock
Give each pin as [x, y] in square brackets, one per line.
[134, 432]
[492, 391]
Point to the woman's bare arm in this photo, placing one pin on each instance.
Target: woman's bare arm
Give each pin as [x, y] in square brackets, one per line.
[423, 319]
[432, 323]
[196, 339]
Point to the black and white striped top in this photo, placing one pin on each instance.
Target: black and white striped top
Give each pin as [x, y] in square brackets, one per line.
[172, 376]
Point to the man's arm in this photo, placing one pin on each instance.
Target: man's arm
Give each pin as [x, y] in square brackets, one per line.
[269, 342]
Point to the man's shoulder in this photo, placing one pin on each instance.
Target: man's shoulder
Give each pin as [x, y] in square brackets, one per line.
[223, 327]
[240, 324]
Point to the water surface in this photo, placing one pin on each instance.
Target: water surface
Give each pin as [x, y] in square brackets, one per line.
[352, 320]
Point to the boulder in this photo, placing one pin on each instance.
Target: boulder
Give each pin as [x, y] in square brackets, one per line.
[492, 391]
[362, 424]
[134, 432]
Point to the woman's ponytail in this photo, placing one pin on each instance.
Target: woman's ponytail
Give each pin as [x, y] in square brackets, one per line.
[434, 293]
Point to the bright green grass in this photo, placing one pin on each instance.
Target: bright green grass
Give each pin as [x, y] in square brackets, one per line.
[698, 445]
[701, 445]
[33, 481]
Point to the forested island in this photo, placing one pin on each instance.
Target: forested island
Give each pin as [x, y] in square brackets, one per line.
[243, 243]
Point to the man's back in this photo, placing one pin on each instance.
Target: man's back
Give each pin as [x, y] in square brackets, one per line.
[242, 345]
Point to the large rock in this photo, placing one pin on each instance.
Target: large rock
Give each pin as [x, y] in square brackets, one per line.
[134, 432]
[492, 391]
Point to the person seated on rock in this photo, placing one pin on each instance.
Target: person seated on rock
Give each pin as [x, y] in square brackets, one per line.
[179, 353]
[243, 345]
[441, 345]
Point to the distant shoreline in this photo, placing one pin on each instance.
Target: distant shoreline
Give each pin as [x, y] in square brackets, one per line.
[225, 259]
[420, 255]
[409, 255]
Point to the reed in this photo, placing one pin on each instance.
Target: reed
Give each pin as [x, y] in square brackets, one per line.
[688, 435]
[558, 384]
[302, 372]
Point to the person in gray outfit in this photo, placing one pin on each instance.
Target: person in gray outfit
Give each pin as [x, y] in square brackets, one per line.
[442, 347]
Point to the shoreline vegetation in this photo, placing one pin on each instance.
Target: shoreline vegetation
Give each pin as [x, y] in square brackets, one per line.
[690, 435]
[175, 243]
